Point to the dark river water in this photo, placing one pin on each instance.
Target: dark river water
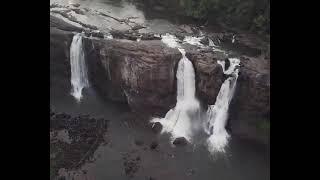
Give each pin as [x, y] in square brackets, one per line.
[244, 160]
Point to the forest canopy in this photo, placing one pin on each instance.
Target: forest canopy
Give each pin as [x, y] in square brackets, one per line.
[251, 15]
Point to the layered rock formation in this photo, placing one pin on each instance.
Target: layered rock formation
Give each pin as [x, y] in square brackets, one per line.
[143, 74]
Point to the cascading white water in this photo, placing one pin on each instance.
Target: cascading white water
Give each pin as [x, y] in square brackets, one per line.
[234, 62]
[183, 119]
[79, 77]
[233, 38]
[180, 120]
[218, 113]
[193, 40]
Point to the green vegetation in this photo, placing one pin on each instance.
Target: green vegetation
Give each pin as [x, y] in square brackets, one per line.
[250, 15]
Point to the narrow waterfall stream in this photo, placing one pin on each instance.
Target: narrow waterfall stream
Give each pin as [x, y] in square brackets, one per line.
[218, 113]
[79, 77]
[180, 120]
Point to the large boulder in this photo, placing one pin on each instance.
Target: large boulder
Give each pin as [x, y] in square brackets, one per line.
[209, 74]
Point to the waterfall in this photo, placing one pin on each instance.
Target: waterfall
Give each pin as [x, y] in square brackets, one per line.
[79, 77]
[233, 38]
[193, 40]
[217, 114]
[183, 120]
[180, 120]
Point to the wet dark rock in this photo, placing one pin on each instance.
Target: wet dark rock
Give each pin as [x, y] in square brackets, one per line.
[137, 27]
[138, 158]
[79, 11]
[62, 178]
[157, 127]
[75, 4]
[117, 34]
[97, 34]
[131, 165]
[180, 36]
[54, 5]
[227, 64]
[62, 116]
[205, 41]
[141, 74]
[190, 172]
[180, 141]
[133, 35]
[209, 74]
[154, 145]
[186, 29]
[52, 114]
[149, 36]
[138, 142]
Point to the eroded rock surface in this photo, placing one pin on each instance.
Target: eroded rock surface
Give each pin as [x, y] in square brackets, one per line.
[143, 73]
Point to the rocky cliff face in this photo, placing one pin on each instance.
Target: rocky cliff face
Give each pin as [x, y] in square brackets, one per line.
[143, 74]
[60, 42]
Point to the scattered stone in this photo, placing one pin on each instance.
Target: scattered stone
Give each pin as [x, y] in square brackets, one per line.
[157, 127]
[154, 145]
[181, 141]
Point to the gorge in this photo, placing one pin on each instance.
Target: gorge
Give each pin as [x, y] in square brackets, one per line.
[210, 87]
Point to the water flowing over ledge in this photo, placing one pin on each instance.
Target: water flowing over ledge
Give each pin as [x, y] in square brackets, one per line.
[183, 119]
[156, 74]
[218, 113]
[79, 77]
